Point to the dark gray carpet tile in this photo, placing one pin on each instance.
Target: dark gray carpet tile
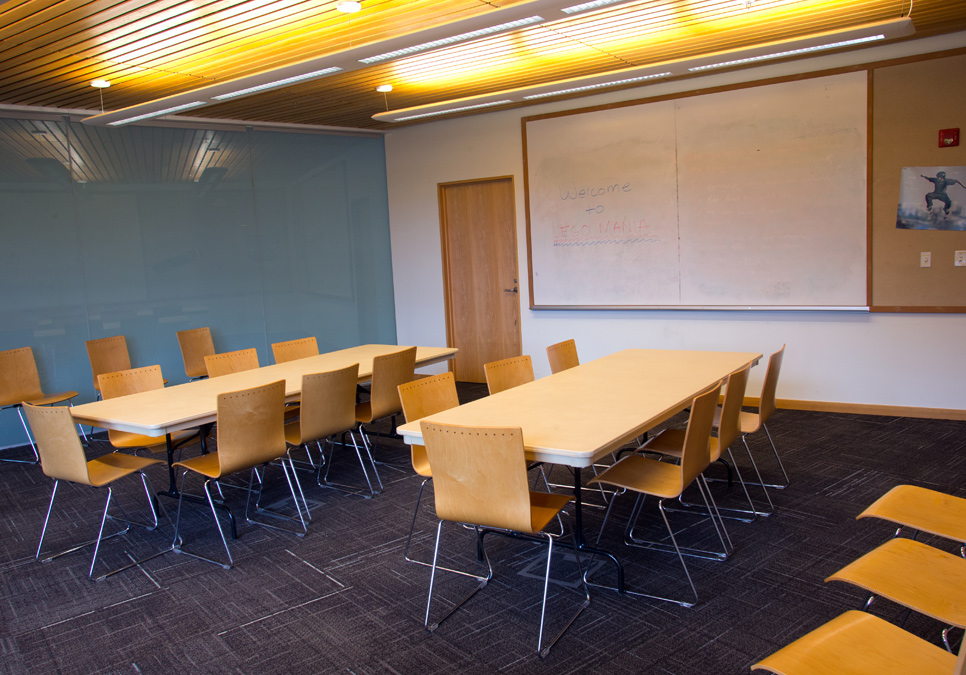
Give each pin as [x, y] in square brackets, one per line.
[342, 600]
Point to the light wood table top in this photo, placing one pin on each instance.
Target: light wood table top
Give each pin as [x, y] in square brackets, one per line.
[186, 406]
[581, 414]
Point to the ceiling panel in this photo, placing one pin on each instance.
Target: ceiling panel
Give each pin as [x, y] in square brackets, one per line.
[150, 49]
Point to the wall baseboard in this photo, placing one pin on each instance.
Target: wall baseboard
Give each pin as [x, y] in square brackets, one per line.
[864, 409]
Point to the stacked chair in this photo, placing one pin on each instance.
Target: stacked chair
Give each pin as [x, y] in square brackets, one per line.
[908, 572]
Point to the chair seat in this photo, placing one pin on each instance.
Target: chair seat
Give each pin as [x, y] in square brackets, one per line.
[207, 465]
[922, 509]
[421, 461]
[643, 474]
[670, 441]
[50, 399]
[364, 412]
[293, 434]
[108, 468]
[125, 439]
[544, 507]
[914, 575]
[857, 643]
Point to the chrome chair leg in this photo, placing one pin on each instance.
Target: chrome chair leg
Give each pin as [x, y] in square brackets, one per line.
[324, 481]
[432, 579]
[176, 544]
[269, 512]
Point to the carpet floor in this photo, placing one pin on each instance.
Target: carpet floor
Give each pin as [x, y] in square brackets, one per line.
[343, 600]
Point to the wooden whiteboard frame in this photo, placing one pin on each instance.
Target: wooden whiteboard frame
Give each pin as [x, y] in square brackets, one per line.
[694, 93]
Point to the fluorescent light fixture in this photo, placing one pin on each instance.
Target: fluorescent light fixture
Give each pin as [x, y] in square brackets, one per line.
[584, 6]
[158, 113]
[452, 110]
[859, 35]
[278, 83]
[790, 52]
[384, 88]
[462, 37]
[100, 84]
[558, 92]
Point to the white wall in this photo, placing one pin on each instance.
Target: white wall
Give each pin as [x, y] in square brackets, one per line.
[914, 360]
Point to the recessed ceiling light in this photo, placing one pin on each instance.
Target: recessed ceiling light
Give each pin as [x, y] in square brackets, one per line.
[100, 84]
[384, 88]
[349, 7]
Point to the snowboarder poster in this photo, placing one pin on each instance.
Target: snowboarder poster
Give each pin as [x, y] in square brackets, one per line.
[932, 198]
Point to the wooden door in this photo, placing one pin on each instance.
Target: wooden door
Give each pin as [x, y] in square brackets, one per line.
[480, 277]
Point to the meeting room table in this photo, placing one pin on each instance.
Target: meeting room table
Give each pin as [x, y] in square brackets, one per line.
[193, 405]
[582, 414]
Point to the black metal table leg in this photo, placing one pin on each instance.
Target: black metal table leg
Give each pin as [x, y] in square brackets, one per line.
[579, 534]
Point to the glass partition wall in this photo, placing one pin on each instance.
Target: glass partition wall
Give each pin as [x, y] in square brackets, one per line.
[143, 231]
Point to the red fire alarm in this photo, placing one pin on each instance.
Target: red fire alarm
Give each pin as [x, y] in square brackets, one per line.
[948, 138]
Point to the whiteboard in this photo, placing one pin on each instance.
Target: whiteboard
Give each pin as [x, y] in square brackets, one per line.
[750, 197]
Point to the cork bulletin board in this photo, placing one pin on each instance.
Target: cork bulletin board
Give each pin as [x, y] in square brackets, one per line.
[912, 103]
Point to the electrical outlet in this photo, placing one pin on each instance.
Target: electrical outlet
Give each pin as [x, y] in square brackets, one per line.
[960, 259]
[925, 259]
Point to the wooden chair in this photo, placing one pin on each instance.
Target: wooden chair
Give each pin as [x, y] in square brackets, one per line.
[20, 383]
[562, 356]
[250, 434]
[62, 458]
[195, 345]
[857, 643]
[914, 575]
[134, 381]
[421, 398]
[664, 480]
[508, 373]
[295, 349]
[923, 510]
[670, 442]
[750, 422]
[328, 408]
[231, 362]
[388, 372]
[480, 479]
[107, 355]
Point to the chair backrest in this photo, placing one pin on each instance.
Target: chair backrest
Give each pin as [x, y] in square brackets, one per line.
[423, 397]
[388, 372]
[231, 362]
[61, 453]
[508, 373]
[195, 345]
[251, 426]
[729, 428]
[19, 379]
[562, 356]
[767, 404]
[695, 457]
[328, 404]
[131, 381]
[479, 475]
[295, 349]
[428, 396]
[108, 355]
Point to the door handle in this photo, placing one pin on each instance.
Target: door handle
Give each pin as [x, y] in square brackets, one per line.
[510, 290]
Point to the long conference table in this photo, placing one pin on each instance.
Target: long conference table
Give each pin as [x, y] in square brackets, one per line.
[582, 414]
[192, 405]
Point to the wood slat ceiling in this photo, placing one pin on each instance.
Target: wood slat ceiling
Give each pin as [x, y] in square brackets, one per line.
[148, 49]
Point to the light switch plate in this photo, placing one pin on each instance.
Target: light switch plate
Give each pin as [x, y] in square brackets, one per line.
[960, 259]
[925, 259]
